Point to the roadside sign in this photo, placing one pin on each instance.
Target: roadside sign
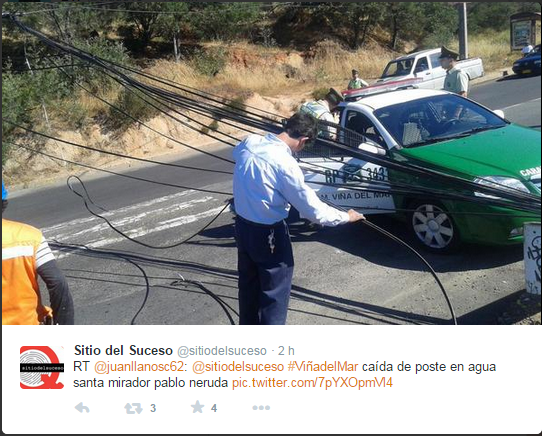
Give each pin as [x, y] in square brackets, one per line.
[532, 257]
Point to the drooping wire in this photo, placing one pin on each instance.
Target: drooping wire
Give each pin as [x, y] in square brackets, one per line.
[111, 153]
[411, 249]
[86, 200]
[140, 179]
[225, 307]
[526, 199]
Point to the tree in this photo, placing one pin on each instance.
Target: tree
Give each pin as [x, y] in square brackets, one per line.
[144, 20]
[224, 21]
[353, 22]
[174, 23]
[439, 24]
[496, 16]
[400, 16]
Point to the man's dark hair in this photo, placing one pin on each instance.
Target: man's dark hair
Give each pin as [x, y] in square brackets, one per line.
[4, 205]
[301, 125]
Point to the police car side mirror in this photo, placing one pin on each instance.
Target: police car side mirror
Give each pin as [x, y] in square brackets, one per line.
[499, 113]
[370, 148]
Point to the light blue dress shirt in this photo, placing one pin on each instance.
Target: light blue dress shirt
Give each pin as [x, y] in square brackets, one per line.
[267, 180]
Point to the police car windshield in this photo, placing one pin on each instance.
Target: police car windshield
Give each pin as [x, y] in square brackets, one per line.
[436, 119]
[398, 68]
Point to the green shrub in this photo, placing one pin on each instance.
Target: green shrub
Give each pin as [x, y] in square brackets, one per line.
[209, 62]
[437, 39]
[24, 93]
[111, 51]
[238, 104]
[132, 103]
[320, 93]
[18, 104]
[214, 125]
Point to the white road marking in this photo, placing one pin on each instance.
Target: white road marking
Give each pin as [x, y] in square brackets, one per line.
[150, 217]
[519, 104]
[118, 223]
[136, 233]
[121, 210]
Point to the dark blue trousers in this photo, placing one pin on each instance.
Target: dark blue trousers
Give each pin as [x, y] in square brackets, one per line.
[266, 267]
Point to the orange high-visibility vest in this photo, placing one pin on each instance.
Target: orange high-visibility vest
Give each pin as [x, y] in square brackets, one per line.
[21, 300]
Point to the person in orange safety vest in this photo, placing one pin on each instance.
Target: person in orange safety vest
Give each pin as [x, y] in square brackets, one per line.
[25, 257]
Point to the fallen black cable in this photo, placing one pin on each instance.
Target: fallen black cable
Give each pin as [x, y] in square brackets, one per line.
[529, 200]
[124, 235]
[418, 255]
[173, 98]
[147, 286]
[111, 153]
[204, 129]
[74, 51]
[126, 114]
[355, 187]
[488, 214]
[151, 261]
[224, 306]
[186, 124]
[198, 284]
[393, 188]
[140, 179]
[526, 200]
[368, 223]
[398, 188]
[435, 194]
[350, 151]
[195, 91]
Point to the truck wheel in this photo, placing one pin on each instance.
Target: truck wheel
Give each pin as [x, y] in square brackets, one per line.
[433, 227]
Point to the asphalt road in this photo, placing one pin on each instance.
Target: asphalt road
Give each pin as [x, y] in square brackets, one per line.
[347, 275]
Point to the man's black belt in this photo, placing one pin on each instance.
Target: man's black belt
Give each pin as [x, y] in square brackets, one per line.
[265, 226]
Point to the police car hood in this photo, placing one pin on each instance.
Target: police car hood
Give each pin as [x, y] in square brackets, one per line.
[511, 151]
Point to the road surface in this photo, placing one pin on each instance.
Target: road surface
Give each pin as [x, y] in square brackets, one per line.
[347, 275]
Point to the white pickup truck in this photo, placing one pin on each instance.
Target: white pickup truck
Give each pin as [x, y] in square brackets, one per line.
[425, 65]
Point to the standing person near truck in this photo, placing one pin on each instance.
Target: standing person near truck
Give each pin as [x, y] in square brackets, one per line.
[456, 81]
[357, 82]
[323, 110]
[25, 257]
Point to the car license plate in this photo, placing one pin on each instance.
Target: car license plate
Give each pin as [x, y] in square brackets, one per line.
[527, 71]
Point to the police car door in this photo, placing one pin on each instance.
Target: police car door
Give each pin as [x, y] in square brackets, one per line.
[344, 180]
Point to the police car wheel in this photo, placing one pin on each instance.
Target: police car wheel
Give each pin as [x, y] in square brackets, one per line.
[433, 227]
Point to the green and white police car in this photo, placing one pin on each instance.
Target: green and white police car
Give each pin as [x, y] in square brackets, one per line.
[441, 131]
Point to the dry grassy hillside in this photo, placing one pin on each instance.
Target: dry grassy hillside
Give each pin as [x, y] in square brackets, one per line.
[268, 78]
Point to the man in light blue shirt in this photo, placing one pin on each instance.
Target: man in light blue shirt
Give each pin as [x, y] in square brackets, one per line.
[266, 181]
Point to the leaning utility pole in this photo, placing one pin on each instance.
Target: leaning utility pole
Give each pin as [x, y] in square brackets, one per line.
[463, 31]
